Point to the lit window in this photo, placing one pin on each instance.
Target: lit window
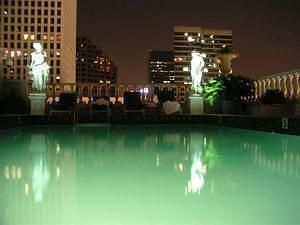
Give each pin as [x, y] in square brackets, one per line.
[25, 37]
[191, 39]
[32, 37]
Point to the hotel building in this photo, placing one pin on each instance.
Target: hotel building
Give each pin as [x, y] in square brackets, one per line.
[205, 41]
[161, 66]
[92, 65]
[49, 22]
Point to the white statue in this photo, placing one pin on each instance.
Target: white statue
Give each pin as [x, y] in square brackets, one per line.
[39, 68]
[197, 64]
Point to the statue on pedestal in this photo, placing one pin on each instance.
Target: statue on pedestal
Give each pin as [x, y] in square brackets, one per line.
[39, 68]
[197, 64]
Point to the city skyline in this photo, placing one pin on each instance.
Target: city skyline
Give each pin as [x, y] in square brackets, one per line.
[264, 34]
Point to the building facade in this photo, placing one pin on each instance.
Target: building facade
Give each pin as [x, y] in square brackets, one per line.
[161, 66]
[49, 22]
[92, 65]
[205, 41]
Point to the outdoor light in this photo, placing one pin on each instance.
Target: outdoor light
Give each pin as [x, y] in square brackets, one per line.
[146, 90]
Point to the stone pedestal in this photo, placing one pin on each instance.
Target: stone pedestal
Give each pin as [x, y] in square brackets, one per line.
[196, 104]
[37, 103]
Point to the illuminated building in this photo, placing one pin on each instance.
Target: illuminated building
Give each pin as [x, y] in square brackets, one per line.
[205, 41]
[161, 66]
[92, 65]
[49, 22]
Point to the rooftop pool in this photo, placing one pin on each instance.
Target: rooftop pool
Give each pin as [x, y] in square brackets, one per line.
[136, 175]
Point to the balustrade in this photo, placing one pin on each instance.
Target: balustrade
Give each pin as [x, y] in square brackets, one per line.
[287, 82]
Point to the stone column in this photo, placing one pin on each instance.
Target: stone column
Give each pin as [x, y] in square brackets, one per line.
[268, 83]
[273, 83]
[259, 89]
[264, 86]
[285, 90]
[255, 90]
[292, 91]
[297, 85]
[279, 83]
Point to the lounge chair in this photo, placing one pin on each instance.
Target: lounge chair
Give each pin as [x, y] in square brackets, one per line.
[66, 104]
[100, 105]
[133, 102]
[169, 104]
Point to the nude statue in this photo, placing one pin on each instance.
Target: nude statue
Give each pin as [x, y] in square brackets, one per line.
[39, 68]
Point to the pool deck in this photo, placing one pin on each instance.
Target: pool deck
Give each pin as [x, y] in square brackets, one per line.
[285, 125]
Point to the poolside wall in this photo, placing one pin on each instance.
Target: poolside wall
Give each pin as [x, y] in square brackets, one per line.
[271, 124]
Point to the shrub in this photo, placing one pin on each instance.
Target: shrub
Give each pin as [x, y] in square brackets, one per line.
[273, 97]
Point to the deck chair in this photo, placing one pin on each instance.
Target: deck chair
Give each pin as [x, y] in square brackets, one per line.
[66, 104]
[133, 102]
[100, 105]
[169, 104]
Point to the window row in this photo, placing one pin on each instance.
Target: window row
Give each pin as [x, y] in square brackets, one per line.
[28, 45]
[32, 29]
[32, 3]
[25, 71]
[32, 20]
[27, 62]
[38, 12]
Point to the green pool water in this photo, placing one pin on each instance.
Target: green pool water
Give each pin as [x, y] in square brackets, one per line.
[148, 175]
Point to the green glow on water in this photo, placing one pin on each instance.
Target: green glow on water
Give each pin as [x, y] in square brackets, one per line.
[148, 175]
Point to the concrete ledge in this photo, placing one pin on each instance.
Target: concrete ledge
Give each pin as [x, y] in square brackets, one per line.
[284, 125]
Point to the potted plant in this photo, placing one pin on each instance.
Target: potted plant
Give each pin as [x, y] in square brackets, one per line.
[233, 91]
[211, 94]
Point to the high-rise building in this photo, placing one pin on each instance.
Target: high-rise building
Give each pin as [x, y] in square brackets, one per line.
[161, 66]
[205, 41]
[49, 22]
[92, 65]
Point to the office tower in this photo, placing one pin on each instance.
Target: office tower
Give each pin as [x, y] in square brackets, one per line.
[205, 41]
[49, 22]
[161, 66]
[92, 65]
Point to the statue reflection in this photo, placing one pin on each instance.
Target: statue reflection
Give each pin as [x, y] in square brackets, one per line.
[198, 168]
[40, 172]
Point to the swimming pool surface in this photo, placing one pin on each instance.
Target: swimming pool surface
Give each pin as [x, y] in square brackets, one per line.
[148, 175]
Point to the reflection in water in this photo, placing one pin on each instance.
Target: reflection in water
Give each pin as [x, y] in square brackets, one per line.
[198, 169]
[140, 175]
[40, 179]
[40, 172]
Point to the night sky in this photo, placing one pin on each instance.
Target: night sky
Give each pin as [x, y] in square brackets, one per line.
[266, 33]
